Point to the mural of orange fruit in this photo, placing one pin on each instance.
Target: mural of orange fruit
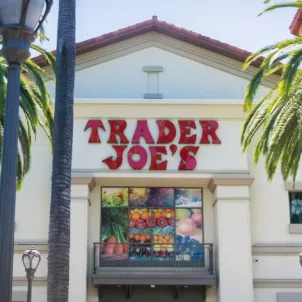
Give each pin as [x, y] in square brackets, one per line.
[142, 238]
[136, 216]
[145, 215]
[157, 215]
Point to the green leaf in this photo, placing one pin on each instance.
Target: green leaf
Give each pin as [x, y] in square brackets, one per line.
[297, 4]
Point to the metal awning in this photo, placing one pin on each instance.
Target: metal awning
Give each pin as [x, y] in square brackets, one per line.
[151, 276]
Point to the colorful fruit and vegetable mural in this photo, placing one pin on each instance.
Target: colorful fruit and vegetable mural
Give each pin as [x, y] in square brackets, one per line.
[114, 197]
[188, 198]
[151, 197]
[140, 233]
[152, 225]
[189, 234]
[161, 197]
[114, 227]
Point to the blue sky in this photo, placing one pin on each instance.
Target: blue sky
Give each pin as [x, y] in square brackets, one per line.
[234, 21]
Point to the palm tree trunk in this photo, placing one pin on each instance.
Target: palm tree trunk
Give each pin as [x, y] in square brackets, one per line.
[59, 225]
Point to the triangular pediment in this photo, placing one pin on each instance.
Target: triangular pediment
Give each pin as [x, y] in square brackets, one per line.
[116, 71]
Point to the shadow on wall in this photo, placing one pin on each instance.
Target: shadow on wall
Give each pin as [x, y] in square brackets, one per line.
[148, 294]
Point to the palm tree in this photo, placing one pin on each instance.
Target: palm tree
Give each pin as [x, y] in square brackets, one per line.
[35, 105]
[278, 115]
[59, 225]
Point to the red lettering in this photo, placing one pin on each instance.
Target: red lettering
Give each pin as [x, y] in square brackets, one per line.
[163, 137]
[156, 155]
[94, 135]
[142, 130]
[209, 129]
[139, 164]
[117, 128]
[115, 164]
[185, 132]
[188, 160]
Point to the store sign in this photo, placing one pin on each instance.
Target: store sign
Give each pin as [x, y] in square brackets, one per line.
[144, 144]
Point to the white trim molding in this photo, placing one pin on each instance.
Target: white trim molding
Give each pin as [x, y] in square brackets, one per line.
[276, 249]
[229, 180]
[22, 281]
[291, 187]
[277, 283]
[84, 181]
[153, 68]
[21, 246]
[295, 228]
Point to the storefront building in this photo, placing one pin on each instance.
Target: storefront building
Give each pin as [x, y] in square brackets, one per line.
[165, 206]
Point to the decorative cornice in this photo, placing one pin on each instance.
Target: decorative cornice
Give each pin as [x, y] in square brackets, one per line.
[84, 181]
[229, 180]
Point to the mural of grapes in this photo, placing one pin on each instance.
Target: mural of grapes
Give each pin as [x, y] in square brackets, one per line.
[161, 197]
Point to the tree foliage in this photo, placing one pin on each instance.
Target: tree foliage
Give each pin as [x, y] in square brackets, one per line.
[277, 117]
[35, 107]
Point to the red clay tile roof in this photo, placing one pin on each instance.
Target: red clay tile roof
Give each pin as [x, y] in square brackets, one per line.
[297, 23]
[162, 27]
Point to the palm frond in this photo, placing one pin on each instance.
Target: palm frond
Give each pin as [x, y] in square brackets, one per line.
[290, 72]
[35, 109]
[252, 89]
[278, 118]
[25, 143]
[20, 174]
[290, 43]
[254, 121]
[47, 55]
[256, 55]
[296, 4]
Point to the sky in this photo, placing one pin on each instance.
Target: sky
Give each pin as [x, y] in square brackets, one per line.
[235, 22]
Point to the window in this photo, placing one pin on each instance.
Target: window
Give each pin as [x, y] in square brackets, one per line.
[157, 224]
[295, 199]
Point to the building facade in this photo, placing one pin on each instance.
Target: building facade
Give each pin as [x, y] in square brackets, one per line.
[165, 206]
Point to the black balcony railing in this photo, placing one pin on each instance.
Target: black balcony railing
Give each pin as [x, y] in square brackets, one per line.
[142, 258]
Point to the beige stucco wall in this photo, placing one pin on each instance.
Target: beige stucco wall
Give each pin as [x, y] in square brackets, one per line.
[196, 85]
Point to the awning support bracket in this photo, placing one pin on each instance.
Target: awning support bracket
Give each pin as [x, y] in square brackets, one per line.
[176, 292]
[128, 292]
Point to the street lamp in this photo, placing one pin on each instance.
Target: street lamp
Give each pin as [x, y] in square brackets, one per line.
[31, 260]
[19, 22]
